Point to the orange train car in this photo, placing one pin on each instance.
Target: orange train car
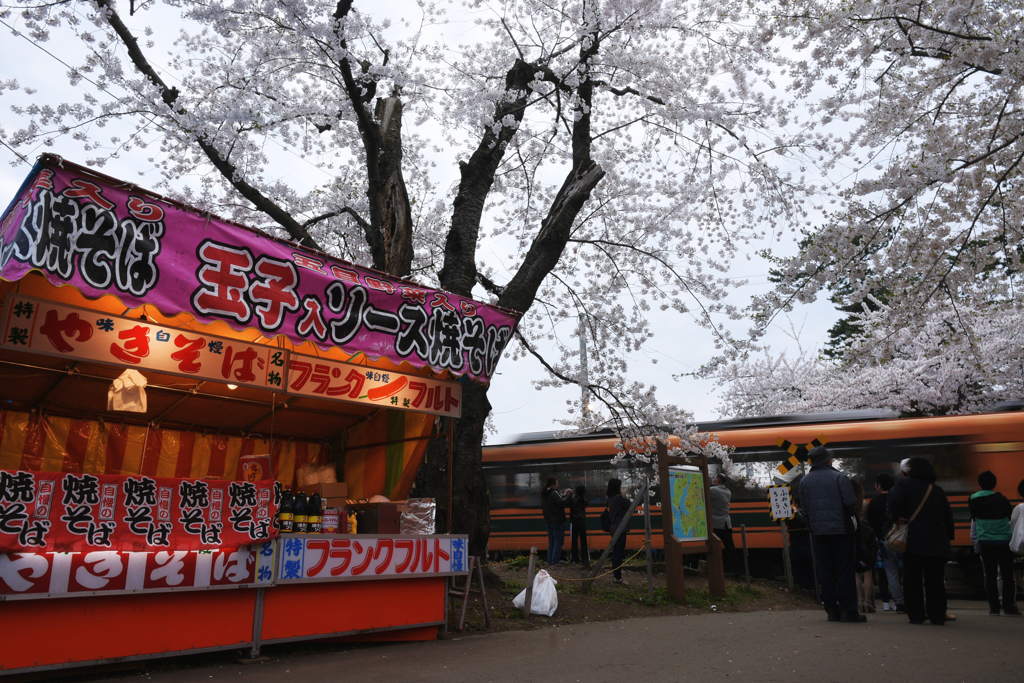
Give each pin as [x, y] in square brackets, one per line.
[864, 442]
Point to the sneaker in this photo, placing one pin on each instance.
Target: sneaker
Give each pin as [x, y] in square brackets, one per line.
[994, 611]
[900, 607]
[950, 616]
[1011, 611]
[853, 618]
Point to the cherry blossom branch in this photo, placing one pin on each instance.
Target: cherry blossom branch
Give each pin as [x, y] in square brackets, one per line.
[227, 169]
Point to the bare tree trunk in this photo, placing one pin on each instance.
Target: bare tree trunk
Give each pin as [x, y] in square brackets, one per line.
[472, 502]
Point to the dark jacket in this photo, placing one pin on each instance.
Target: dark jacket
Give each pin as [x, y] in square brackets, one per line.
[877, 514]
[991, 514]
[552, 503]
[618, 506]
[578, 509]
[931, 531]
[828, 501]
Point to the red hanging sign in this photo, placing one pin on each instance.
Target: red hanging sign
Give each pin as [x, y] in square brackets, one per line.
[54, 511]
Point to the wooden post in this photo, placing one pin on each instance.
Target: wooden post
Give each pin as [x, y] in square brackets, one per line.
[746, 552]
[786, 561]
[715, 565]
[673, 552]
[647, 538]
[528, 603]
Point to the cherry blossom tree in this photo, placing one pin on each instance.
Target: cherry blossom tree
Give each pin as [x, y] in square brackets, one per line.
[611, 156]
[915, 110]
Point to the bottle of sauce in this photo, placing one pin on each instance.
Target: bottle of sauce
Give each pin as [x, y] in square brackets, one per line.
[301, 513]
[314, 515]
[286, 513]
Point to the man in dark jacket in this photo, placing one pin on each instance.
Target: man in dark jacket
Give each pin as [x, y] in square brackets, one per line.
[828, 501]
[990, 513]
[618, 507]
[928, 537]
[552, 503]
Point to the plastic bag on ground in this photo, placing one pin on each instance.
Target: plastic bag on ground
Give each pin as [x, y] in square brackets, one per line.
[545, 597]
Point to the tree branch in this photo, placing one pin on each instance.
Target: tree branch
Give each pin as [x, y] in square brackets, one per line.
[227, 169]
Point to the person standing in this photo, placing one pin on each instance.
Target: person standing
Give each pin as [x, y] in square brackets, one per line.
[990, 514]
[618, 507]
[578, 521]
[828, 501]
[552, 502]
[721, 521]
[878, 518]
[1017, 523]
[918, 500]
[867, 552]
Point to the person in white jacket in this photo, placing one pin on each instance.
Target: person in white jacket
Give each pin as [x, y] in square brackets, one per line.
[1017, 523]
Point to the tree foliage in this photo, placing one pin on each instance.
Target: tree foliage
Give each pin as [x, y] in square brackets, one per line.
[915, 110]
[574, 161]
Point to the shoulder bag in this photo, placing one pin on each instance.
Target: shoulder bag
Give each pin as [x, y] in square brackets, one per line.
[896, 539]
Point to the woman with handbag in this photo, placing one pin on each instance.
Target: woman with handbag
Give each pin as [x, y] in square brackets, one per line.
[918, 506]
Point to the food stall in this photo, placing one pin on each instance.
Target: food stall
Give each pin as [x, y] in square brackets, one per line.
[167, 376]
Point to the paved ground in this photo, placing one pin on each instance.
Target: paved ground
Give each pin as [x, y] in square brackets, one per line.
[754, 646]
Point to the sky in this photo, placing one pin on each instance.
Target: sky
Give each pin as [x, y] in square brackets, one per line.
[679, 345]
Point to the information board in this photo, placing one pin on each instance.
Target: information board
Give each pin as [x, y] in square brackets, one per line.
[689, 508]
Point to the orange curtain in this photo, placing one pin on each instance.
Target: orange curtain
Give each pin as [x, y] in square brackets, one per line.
[39, 442]
[383, 454]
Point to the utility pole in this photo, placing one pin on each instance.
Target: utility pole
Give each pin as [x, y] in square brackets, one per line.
[581, 332]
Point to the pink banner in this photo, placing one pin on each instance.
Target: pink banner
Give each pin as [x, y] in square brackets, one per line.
[105, 237]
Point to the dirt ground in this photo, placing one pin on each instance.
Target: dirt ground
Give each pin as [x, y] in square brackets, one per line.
[608, 600]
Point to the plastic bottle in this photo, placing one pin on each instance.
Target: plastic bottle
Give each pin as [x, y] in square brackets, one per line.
[286, 513]
[315, 515]
[301, 513]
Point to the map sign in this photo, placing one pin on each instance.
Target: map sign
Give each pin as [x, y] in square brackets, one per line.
[689, 511]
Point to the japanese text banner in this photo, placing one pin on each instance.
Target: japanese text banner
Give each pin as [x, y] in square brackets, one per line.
[53, 329]
[103, 237]
[332, 558]
[41, 574]
[55, 511]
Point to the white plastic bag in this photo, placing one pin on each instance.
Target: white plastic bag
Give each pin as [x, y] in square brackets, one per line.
[545, 597]
[1017, 540]
[127, 393]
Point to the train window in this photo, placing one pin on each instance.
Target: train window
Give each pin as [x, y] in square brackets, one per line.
[520, 485]
[754, 468]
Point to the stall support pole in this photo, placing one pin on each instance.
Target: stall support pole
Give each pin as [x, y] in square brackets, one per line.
[451, 467]
[257, 624]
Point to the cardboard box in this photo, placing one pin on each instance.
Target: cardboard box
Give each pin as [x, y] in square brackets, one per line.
[335, 490]
[379, 518]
